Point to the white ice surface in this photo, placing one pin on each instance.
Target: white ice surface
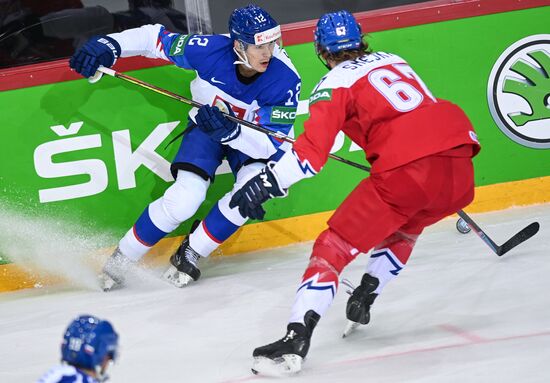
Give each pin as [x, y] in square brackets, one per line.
[457, 313]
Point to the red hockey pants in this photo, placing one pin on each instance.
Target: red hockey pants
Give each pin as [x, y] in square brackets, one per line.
[405, 199]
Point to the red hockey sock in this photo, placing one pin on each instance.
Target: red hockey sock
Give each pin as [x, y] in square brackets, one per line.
[330, 255]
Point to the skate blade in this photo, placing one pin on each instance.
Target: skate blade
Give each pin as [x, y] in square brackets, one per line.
[107, 283]
[177, 278]
[287, 365]
[350, 327]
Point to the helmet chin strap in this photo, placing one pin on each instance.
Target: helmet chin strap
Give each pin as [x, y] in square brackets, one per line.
[101, 372]
[325, 63]
[243, 59]
[318, 52]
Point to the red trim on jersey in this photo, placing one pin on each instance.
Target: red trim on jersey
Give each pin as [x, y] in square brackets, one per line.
[294, 33]
[209, 234]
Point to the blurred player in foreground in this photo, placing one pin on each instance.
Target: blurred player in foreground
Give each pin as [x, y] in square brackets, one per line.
[420, 149]
[89, 347]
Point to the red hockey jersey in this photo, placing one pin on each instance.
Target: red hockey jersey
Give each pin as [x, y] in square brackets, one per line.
[384, 107]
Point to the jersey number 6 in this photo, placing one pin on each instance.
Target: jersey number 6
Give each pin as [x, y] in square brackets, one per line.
[402, 95]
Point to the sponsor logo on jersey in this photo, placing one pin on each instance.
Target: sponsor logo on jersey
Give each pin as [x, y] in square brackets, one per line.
[177, 46]
[320, 95]
[213, 79]
[283, 115]
[518, 92]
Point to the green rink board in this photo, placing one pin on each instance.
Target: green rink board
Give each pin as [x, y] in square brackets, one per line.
[454, 58]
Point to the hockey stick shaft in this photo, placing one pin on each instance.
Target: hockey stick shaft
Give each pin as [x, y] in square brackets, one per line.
[480, 233]
[520, 237]
[143, 84]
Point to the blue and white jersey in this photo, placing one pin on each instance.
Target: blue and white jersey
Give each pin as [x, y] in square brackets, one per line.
[65, 373]
[270, 100]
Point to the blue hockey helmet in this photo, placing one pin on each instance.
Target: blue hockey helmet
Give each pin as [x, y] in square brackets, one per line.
[87, 341]
[337, 31]
[253, 25]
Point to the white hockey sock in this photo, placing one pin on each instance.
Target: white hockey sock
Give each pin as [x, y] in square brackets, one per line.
[384, 265]
[317, 290]
[312, 295]
[131, 247]
[201, 242]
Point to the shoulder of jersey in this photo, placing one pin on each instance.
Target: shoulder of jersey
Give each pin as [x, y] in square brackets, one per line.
[280, 77]
[282, 62]
[202, 55]
[347, 73]
[215, 40]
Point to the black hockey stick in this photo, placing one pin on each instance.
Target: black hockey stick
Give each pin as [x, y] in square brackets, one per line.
[520, 237]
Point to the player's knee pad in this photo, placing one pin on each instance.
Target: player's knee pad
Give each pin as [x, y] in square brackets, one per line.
[184, 197]
[333, 251]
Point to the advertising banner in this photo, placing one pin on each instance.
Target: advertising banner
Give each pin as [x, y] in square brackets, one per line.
[94, 156]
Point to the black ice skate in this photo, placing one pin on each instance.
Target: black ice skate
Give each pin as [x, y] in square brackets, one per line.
[184, 264]
[285, 356]
[113, 273]
[359, 302]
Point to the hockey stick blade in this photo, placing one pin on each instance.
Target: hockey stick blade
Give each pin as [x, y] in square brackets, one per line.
[99, 73]
[95, 78]
[519, 238]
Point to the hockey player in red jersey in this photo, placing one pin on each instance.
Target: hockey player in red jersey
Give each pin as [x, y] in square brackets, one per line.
[420, 149]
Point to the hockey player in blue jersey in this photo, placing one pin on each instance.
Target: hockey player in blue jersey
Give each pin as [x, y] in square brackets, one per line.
[89, 346]
[246, 74]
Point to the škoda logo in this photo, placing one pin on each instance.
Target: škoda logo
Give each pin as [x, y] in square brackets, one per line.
[519, 92]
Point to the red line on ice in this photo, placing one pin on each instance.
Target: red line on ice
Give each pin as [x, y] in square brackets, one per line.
[472, 341]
